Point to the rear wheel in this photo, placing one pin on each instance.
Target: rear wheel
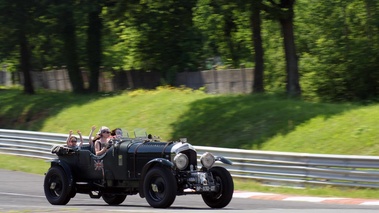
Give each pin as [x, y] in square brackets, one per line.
[224, 195]
[56, 186]
[113, 199]
[160, 187]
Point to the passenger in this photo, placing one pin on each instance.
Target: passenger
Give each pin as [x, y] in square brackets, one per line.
[116, 133]
[101, 144]
[97, 137]
[90, 139]
[72, 140]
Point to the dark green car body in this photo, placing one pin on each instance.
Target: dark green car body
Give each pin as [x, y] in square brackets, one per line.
[157, 171]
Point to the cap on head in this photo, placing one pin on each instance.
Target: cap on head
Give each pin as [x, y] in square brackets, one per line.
[103, 129]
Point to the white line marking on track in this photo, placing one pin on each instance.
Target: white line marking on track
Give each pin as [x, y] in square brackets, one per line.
[309, 199]
[249, 194]
[370, 203]
[16, 194]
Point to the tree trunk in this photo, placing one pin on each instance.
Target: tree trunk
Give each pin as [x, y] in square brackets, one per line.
[229, 27]
[69, 51]
[255, 22]
[94, 48]
[292, 69]
[25, 64]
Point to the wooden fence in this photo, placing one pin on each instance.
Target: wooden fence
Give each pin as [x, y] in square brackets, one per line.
[218, 81]
[214, 81]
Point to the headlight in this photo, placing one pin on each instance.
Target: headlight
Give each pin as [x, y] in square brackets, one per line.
[207, 160]
[181, 161]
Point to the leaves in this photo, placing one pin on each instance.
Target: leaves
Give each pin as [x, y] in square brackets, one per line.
[336, 42]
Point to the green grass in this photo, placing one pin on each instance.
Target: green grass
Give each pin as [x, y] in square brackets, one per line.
[259, 122]
[23, 164]
[265, 122]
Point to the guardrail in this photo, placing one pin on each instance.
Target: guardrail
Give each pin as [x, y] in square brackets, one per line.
[283, 168]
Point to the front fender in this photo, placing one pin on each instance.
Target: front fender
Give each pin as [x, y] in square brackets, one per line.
[224, 160]
[150, 164]
[67, 170]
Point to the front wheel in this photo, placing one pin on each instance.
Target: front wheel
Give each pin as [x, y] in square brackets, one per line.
[113, 199]
[160, 187]
[224, 195]
[56, 186]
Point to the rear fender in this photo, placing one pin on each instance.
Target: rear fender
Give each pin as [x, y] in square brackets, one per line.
[155, 162]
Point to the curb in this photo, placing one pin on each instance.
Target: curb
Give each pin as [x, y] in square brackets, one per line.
[330, 200]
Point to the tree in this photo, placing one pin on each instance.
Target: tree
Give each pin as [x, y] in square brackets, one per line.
[340, 56]
[68, 32]
[25, 62]
[63, 13]
[94, 47]
[255, 22]
[18, 25]
[284, 12]
[164, 38]
[286, 21]
[225, 29]
[152, 35]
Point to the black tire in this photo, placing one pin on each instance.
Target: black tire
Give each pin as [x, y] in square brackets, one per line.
[113, 199]
[56, 186]
[160, 187]
[223, 197]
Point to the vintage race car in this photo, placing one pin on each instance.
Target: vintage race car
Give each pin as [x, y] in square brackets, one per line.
[157, 171]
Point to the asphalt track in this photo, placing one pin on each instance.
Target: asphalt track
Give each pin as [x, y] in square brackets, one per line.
[22, 192]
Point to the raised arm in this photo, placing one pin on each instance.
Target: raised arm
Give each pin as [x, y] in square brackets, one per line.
[90, 135]
[81, 138]
[68, 138]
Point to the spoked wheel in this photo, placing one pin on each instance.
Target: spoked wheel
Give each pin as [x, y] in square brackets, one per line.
[113, 199]
[224, 195]
[56, 186]
[160, 187]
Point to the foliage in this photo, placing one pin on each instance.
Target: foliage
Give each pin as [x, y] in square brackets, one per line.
[225, 29]
[337, 41]
[343, 57]
[156, 36]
